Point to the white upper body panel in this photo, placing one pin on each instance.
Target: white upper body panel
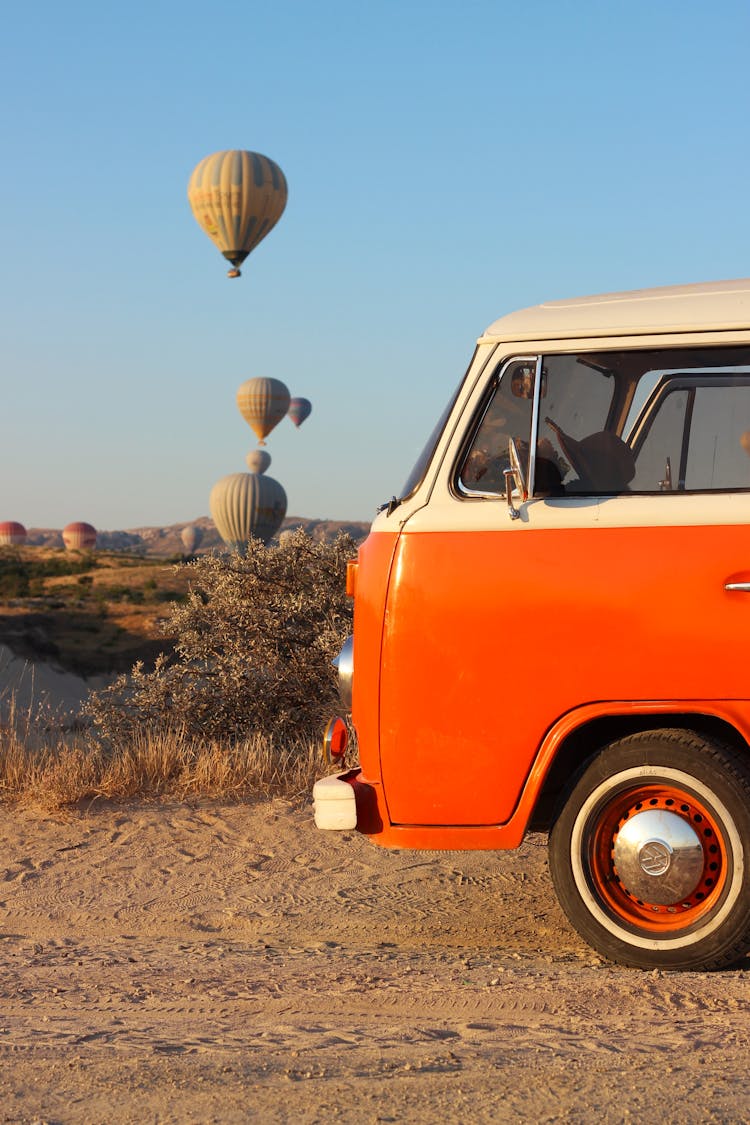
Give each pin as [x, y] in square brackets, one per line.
[716, 306]
[705, 314]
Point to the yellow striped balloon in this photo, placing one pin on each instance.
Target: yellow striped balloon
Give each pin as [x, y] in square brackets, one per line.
[247, 506]
[237, 197]
[262, 403]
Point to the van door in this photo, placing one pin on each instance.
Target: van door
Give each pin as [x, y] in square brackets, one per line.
[612, 584]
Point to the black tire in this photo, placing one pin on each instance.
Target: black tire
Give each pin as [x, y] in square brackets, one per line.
[650, 853]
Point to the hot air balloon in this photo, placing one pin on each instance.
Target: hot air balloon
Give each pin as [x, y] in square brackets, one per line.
[245, 506]
[258, 460]
[12, 534]
[191, 537]
[237, 197]
[262, 403]
[299, 409]
[79, 537]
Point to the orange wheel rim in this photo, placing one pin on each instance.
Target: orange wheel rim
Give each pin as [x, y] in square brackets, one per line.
[612, 891]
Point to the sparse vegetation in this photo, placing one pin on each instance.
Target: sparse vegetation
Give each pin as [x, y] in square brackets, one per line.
[89, 614]
[21, 577]
[235, 709]
[255, 638]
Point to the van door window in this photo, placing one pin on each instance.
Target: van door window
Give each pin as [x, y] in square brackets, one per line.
[505, 414]
[634, 421]
[575, 406]
[648, 421]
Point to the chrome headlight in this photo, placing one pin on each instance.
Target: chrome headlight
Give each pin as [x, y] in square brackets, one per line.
[344, 662]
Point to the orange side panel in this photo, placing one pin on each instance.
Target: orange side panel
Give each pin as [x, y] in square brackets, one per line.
[372, 813]
[373, 571]
[492, 637]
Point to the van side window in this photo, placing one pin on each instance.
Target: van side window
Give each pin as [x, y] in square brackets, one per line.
[505, 415]
[575, 406]
[648, 421]
[637, 421]
[661, 448]
[692, 432]
[697, 437]
[718, 454]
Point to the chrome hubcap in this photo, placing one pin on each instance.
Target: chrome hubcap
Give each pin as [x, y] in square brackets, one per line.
[658, 857]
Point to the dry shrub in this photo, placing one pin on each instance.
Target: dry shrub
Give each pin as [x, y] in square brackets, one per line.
[236, 712]
[255, 641]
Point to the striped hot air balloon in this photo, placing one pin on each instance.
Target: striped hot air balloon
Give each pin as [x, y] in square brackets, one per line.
[191, 537]
[12, 534]
[247, 506]
[258, 460]
[79, 537]
[299, 409]
[262, 403]
[237, 197]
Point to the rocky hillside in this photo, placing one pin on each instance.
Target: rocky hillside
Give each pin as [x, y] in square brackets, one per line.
[165, 541]
[97, 612]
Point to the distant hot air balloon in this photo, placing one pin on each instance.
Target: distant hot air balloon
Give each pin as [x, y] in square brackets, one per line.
[12, 534]
[262, 403]
[237, 197]
[299, 409]
[245, 506]
[191, 537]
[258, 460]
[79, 537]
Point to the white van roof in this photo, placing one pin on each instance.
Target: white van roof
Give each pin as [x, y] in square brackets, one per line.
[709, 306]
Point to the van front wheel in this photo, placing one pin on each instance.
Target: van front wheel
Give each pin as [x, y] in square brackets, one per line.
[650, 854]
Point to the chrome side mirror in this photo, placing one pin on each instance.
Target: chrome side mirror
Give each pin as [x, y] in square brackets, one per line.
[514, 478]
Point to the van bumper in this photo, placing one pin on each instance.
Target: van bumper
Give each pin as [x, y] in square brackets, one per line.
[334, 803]
[348, 800]
[343, 801]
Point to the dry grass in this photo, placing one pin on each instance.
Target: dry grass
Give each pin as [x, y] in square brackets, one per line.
[53, 773]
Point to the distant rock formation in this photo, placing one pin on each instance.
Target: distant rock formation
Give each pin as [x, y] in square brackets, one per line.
[166, 541]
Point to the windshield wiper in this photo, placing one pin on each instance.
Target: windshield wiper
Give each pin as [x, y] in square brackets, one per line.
[389, 506]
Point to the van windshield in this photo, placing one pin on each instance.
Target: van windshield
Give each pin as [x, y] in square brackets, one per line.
[416, 476]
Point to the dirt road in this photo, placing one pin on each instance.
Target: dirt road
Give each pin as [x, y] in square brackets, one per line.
[170, 964]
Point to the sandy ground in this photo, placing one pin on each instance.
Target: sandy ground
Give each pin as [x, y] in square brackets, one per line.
[230, 964]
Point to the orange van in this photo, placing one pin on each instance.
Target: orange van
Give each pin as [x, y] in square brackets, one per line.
[548, 622]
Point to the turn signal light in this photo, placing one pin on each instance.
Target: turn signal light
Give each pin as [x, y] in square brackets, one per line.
[351, 577]
[335, 742]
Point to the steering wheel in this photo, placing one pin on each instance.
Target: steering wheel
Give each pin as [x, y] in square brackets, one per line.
[570, 452]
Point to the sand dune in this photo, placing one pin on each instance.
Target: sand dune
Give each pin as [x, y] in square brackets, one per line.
[180, 964]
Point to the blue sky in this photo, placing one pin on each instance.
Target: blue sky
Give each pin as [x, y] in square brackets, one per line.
[447, 163]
